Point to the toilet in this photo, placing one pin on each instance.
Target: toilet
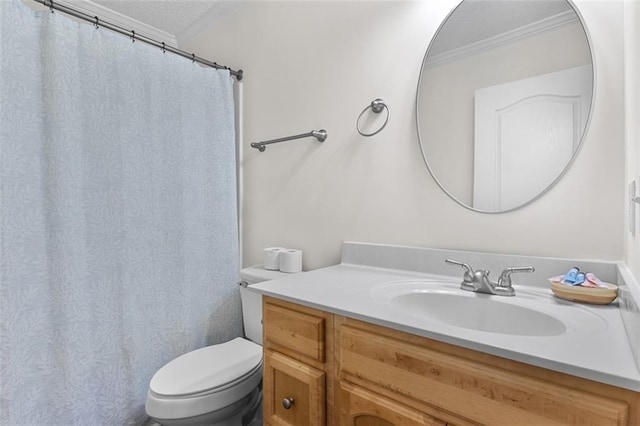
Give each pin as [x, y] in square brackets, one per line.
[220, 384]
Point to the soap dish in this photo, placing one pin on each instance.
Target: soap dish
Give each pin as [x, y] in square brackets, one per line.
[593, 295]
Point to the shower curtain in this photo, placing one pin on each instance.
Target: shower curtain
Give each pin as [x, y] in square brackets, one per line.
[118, 232]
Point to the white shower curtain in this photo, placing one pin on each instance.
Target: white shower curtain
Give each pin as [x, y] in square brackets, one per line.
[118, 233]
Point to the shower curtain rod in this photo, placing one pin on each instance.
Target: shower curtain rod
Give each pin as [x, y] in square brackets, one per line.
[135, 37]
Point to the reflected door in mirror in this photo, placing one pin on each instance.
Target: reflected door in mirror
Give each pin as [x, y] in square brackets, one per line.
[526, 132]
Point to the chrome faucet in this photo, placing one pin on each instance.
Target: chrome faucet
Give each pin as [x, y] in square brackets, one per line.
[478, 281]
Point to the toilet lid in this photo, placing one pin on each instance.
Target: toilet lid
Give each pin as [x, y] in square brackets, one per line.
[207, 368]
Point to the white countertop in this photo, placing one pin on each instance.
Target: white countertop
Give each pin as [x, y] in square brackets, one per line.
[602, 355]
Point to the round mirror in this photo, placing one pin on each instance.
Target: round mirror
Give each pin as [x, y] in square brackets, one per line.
[503, 100]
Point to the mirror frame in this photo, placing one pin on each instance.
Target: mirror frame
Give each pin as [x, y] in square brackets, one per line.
[580, 143]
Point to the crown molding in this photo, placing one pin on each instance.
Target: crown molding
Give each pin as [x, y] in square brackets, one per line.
[505, 38]
[93, 9]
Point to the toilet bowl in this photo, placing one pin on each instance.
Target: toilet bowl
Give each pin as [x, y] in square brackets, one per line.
[218, 384]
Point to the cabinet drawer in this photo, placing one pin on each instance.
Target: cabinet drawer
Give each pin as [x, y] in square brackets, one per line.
[359, 407]
[297, 331]
[294, 393]
[474, 390]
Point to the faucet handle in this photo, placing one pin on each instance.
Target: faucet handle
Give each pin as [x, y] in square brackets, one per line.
[468, 271]
[505, 277]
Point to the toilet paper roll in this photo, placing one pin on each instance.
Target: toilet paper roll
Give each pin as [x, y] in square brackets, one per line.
[290, 261]
[272, 258]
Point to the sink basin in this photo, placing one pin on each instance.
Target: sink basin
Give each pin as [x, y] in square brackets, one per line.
[480, 313]
[529, 313]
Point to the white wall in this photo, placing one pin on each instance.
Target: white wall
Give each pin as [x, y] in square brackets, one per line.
[313, 65]
[632, 122]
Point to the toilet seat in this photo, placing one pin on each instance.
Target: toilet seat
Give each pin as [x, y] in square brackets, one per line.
[205, 380]
[207, 369]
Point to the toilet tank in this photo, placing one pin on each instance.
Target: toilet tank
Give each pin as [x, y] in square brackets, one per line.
[252, 302]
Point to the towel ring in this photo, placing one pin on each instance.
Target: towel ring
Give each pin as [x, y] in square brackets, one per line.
[377, 105]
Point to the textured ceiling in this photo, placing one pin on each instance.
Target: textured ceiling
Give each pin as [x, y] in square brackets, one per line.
[172, 16]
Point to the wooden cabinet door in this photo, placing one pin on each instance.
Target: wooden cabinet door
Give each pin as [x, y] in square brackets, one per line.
[359, 407]
[294, 393]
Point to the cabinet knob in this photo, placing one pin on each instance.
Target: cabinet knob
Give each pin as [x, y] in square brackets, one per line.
[287, 403]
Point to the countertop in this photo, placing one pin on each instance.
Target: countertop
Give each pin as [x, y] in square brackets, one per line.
[602, 355]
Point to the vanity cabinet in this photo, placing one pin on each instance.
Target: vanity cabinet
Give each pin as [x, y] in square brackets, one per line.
[462, 386]
[349, 372]
[296, 390]
[298, 368]
[360, 407]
